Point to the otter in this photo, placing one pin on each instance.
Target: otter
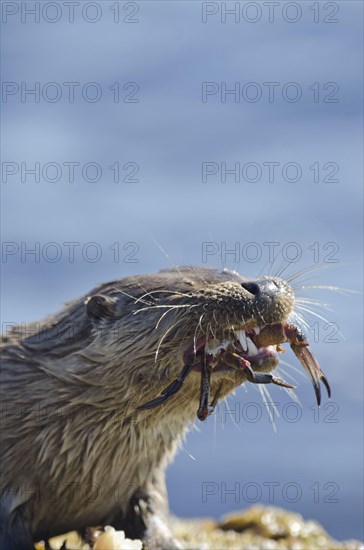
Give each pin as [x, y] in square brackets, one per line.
[96, 398]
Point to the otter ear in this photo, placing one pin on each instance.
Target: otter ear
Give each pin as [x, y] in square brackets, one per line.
[100, 307]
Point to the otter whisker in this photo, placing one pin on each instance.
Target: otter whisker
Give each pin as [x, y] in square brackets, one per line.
[214, 318]
[313, 307]
[280, 369]
[177, 267]
[174, 292]
[293, 367]
[344, 291]
[182, 346]
[199, 325]
[300, 320]
[130, 296]
[310, 269]
[300, 284]
[292, 394]
[164, 336]
[194, 271]
[284, 265]
[267, 399]
[315, 303]
[146, 293]
[162, 317]
[177, 306]
[302, 297]
[261, 317]
[311, 312]
[210, 325]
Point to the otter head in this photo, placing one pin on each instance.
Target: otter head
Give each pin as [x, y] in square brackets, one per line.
[216, 329]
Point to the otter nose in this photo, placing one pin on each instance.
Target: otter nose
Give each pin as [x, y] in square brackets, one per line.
[253, 288]
[263, 286]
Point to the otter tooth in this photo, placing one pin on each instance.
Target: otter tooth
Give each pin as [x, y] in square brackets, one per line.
[252, 348]
[243, 339]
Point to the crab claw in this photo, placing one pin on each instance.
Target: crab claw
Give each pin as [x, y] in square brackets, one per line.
[312, 368]
[325, 383]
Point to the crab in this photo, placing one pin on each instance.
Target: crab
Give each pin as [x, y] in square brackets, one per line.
[249, 346]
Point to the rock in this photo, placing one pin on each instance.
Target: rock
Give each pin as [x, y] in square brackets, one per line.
[257, 528]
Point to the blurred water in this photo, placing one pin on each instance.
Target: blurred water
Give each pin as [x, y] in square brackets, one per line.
[167, 136]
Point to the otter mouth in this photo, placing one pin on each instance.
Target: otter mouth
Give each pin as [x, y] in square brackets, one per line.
[252, 353]
[242, 345]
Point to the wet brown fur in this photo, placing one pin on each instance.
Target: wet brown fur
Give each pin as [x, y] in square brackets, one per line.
[74, 450]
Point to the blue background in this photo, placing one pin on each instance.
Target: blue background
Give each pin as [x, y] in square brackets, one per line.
[169, 133]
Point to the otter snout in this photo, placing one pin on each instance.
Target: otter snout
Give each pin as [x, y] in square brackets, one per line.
[273, 299]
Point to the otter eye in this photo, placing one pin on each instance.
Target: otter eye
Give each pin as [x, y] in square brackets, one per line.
[253, 288]
[100, 307]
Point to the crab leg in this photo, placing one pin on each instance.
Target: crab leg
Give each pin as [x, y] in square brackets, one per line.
[189, 358]
[236, 362]
[216, 398]
[203, 409]
[268, 378]
[170, 390]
